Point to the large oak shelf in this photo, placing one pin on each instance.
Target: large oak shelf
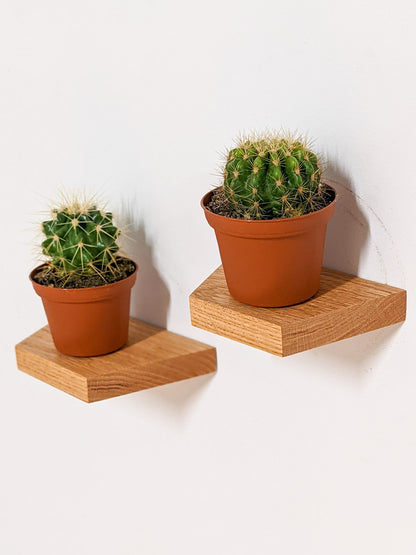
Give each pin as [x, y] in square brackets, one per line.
[152, 356]
[344, 306]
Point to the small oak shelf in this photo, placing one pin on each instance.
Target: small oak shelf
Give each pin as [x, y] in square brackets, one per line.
[152, 356]
[344, 306]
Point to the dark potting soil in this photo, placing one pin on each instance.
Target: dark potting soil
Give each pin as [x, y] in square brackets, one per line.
[50, 277]
[218, 203]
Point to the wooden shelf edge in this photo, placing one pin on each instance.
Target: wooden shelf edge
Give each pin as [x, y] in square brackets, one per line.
[345, 306]
[152, 357]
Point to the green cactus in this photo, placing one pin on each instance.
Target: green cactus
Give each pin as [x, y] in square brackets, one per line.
[80, 238]
[272, 175]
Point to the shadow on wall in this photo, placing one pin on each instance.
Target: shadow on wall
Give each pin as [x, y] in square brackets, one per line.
[358, 356]
[173, 401]
[150, 296]
[348, 231]
[348, 236]
[150, 303]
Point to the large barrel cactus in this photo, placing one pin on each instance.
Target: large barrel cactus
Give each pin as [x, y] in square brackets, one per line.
[272, 175]
[80, 238]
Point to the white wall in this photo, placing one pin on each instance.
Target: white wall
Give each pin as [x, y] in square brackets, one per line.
[314, 454]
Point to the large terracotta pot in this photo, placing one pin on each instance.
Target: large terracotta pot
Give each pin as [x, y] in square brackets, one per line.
[271, 263]
[87, 322]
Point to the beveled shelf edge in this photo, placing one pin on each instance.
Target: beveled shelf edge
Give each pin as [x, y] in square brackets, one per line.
[152, 357]
[345, 306]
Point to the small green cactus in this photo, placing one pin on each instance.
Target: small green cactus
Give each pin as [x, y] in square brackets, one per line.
[81, 239]
[272, 175]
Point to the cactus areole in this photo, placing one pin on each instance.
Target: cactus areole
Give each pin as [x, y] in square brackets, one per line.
[84, 284]
[270, 217]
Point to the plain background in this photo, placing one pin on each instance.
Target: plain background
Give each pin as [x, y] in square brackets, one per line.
[314, 454]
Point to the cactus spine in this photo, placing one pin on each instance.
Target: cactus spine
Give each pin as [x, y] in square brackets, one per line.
[272, 175]
[80, 238]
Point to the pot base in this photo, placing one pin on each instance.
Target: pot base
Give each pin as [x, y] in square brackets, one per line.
[276, 296]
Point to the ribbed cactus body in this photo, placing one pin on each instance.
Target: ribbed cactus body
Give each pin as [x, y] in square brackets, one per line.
[272, 176]
[82, 239]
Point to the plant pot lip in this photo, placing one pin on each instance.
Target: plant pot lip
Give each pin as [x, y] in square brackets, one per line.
[85, 290]
[219, 218]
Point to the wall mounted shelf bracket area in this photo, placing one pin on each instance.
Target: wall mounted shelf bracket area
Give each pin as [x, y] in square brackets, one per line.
[344, 306]
[152, 356]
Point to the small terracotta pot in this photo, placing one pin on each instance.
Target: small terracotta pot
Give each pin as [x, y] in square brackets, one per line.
[90, 321]
[271, 263]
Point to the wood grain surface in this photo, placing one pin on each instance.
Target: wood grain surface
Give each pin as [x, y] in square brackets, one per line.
[153, 356]
[344, 306]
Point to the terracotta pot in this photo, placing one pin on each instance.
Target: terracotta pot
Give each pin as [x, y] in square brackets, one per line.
[271, 263]
[87, 322]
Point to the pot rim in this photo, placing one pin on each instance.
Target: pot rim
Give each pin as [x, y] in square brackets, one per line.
[273, 221]
[40, 288]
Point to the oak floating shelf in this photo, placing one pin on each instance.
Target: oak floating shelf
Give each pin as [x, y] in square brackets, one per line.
[152, 357]
[344, 306]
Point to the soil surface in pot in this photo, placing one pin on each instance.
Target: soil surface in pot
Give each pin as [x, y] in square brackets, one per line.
[218, 203]
[50, 277]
